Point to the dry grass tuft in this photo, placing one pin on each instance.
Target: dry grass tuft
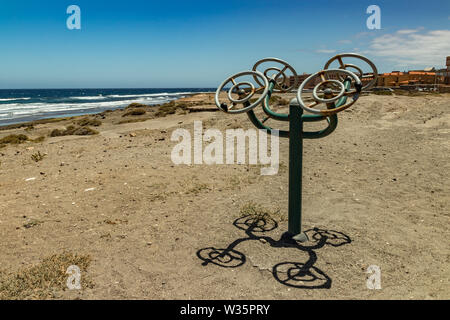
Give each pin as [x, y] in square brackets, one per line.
[36, 157]
[39, 139]
[257, 211]
[45, 279]
[14, 139]
[136, 105]
[89, 122]
[133, 120]
[73, 130]
[197, 187]
[170, 108]
[135, 112]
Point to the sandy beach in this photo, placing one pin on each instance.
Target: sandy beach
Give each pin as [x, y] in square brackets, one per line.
[101, 192]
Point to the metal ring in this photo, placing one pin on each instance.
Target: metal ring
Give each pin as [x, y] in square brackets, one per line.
[280, 73]
[229, 109]
[343, 66]
[341, 93]
[248, 97]
[348, 65]
[286, 65]
[354, 93]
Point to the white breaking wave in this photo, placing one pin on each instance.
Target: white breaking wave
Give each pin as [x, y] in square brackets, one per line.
[12, 99]
[89, 98]
[20, 110]
[137, 95]
[165, 94]
[17, 110]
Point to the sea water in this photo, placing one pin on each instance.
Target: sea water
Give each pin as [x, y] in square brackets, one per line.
[22, 105]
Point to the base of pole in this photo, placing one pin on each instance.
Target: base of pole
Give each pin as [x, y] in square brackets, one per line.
[301, 237]
[291, 238]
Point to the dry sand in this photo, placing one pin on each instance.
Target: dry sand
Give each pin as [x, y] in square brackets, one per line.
[376, 192]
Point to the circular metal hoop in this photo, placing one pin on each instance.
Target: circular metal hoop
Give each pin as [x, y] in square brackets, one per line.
[344, 66]
[281, 72]
[341, 92]
[236, 86]
[354, 94]
[264, 89]
[360, 73]
[277, 77]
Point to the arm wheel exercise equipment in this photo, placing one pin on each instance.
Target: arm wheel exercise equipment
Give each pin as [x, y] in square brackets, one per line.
[343, 91]
[342, 65]
[280, 78]
[347, 86]
[244, 96]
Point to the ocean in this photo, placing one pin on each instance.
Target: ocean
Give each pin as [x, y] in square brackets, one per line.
[22, 105]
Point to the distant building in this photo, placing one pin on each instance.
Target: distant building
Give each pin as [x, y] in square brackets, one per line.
[291, 80]
[302, 77]
[444, 75]
[429, 77]
[416, 77]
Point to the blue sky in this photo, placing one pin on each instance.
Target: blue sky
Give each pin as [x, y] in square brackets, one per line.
[198, 43]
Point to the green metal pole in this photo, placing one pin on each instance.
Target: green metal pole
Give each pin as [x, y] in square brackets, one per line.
[295, 171]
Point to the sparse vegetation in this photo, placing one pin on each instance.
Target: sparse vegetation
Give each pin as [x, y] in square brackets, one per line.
[135, 112]
[45, 279]
[115, 221]
[39, 139]
[136, 105]
[170, 108]
[89, 122]
[259, 212]
[238, 181]
[13, 139]
[56, 133]
[197, 187]
[32, 223]
[234, 182]
[133, 120]
[73, 130]
[33, 123]
[36, 157]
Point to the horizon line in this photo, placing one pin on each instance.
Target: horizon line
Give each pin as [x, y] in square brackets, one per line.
[97, 88]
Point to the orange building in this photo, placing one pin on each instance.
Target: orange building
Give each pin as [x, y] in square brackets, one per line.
[426, 78]
[419, 77]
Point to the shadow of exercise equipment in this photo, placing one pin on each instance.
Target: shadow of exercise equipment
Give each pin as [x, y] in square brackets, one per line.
[295, 274]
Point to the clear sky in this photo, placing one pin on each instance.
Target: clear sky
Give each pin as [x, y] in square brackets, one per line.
[166, 43]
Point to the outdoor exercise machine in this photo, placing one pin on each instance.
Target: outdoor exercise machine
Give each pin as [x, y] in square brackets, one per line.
[333, 90]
